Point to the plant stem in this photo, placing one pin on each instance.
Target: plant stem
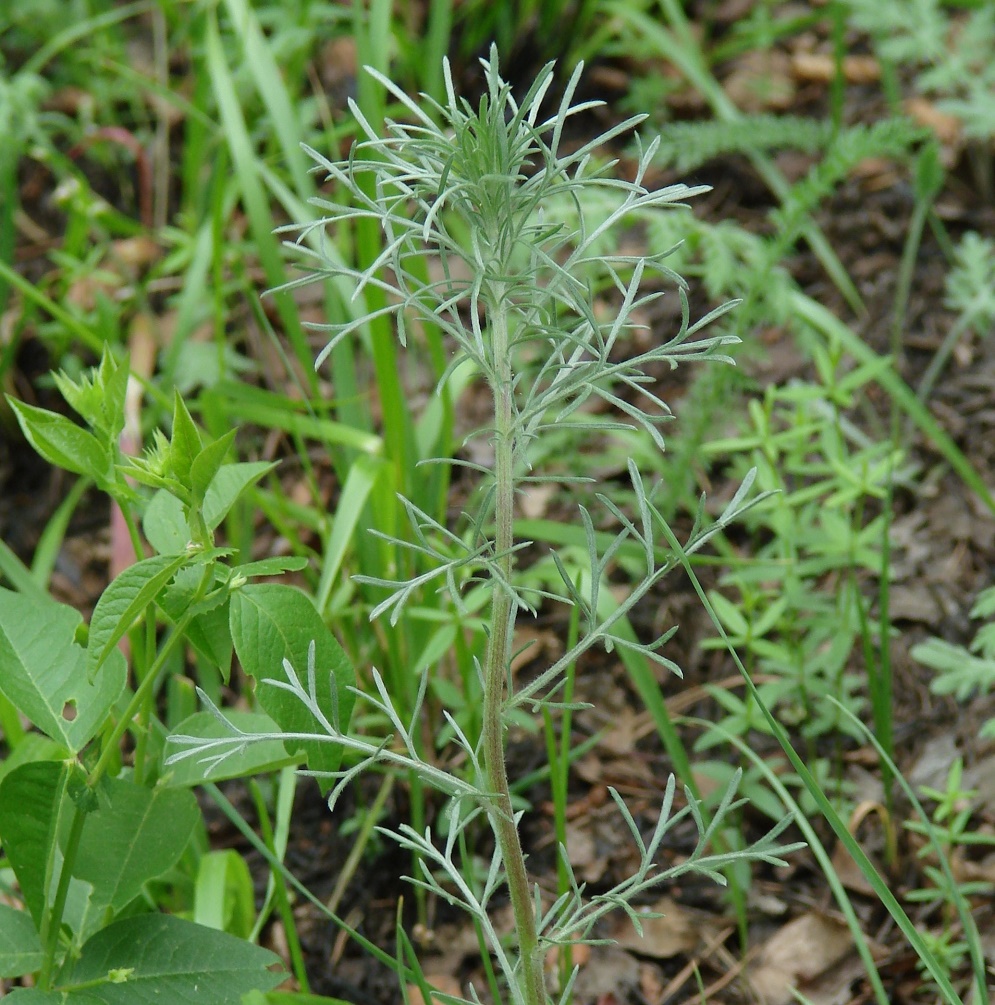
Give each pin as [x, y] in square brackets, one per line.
[497, 658]
[52, 923]
[146, 685]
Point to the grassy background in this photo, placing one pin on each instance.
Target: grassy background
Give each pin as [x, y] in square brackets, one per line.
[151, 153]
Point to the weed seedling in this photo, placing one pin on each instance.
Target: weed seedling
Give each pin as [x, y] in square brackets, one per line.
[474, 190]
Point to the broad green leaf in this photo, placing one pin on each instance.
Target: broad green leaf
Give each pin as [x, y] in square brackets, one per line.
[730, 615]
[259, 757]
[227, 485]
[99, 395]
[224, 897]
[135, 835]
[31, 800]
[44, 671]
[208, 631]
[34, 996]
[275, 566]
[272, 623]
[290, 998]
[20, 947]
[210, 635]
[207, 464]
[185, 443]
[165, 525]
[32, 747]
[123, 600]
[62, 443]
[161, 959]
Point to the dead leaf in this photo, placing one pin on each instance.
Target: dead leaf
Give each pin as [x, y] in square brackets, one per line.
[948, 128]
[675, 931]
[338, 63]
[610, 971]
[620, 737]
[820, 67]
[980, 776]
[84, 291]
[761, 82]
[849, 873]
[580, 953]
[535, 644]
[134, 254]
[796, 955]
[914, 603]
[443, 983]
[580, 844]
[582, 851]
[651, 983]
[933, 765]
[534, 499]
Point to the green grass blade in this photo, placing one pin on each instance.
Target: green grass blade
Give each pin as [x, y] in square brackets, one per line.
[261, 222]
[969, 928]
[50, 542]
[880, 887]
[89, 338]
[258, 60]
[19, 575]
[363, 475]
[87, 28]
[242, 403]
[818, 850]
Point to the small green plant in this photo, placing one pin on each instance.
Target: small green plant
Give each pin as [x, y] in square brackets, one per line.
[952, 48]
[970, 292]
[965, 671]
[85, 836]
[952, 834]
[476, 189]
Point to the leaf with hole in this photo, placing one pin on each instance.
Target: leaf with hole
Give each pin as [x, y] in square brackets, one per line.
[44, 671]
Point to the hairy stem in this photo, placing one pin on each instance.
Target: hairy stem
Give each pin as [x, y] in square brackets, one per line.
[497, 658]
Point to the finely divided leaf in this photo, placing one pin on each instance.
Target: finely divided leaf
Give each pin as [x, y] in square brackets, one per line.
[256, 758]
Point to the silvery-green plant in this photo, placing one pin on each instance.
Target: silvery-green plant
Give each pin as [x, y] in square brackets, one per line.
[480, 190]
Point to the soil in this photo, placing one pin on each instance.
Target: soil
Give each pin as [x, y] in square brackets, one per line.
[944, 553]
